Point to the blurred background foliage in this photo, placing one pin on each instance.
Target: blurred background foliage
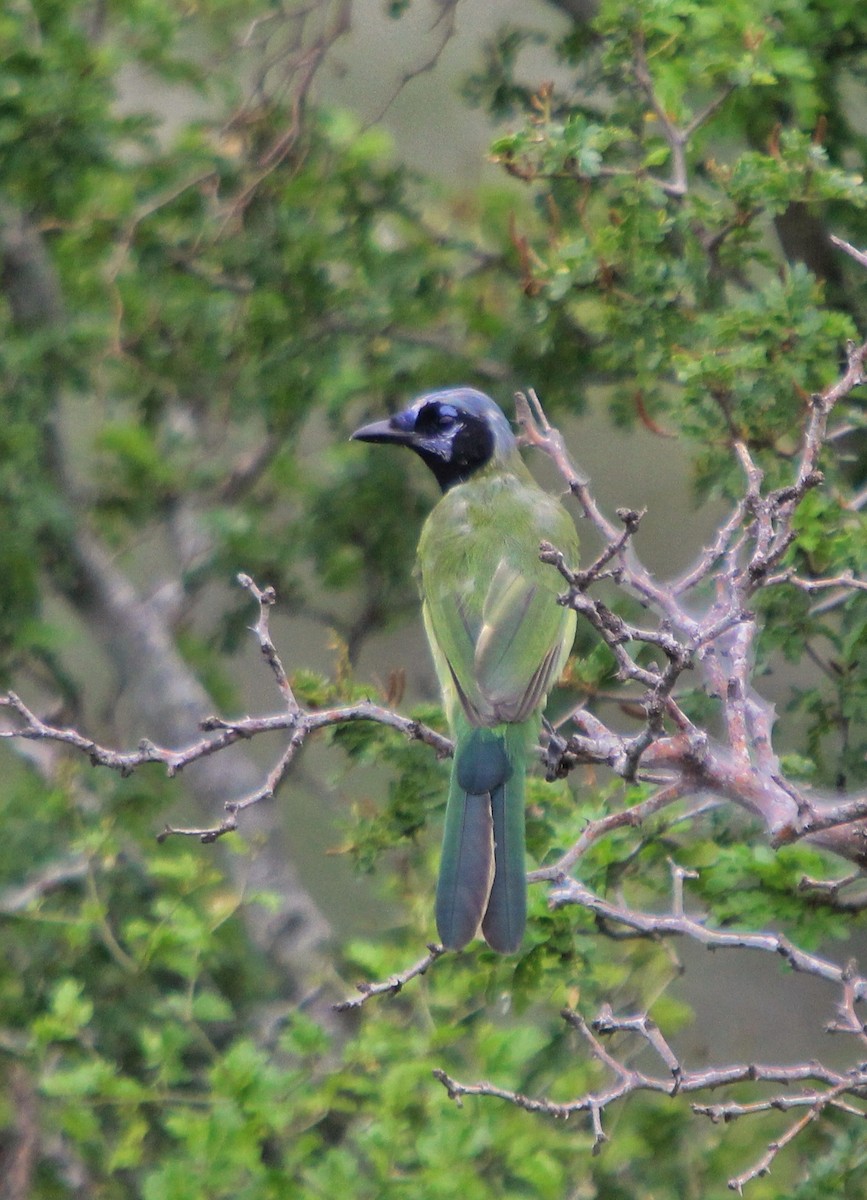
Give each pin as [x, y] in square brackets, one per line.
[194, 315]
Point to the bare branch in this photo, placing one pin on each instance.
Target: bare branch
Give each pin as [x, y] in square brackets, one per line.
[845, 580]
[678, 1079]
[227, 733]
[394, 983]
[571, 891]
[859, 255]
[301, 723]
[763, 1166]
[731, 1110]
[631, 817]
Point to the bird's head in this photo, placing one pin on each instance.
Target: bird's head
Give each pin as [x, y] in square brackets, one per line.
[456, 432]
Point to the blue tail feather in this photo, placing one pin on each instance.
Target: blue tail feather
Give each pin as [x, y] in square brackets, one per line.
[482, 877]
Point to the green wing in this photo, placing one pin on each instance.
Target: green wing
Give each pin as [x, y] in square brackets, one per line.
[499, 638]
[502, 666]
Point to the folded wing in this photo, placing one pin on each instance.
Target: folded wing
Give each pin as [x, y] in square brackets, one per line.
[502, 662]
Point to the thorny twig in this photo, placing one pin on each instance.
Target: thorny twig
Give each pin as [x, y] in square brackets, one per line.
[265, 599]
[394, 983]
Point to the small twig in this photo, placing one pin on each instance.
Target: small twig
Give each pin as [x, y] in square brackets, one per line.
[606, 1023]
[678, 875]
[713, 553]
[599, 1134]
[43, 882]
[814, 817]
[537, 430]
[394, 983]
[830, 603]
[732, 1111]
[763, 1166]
[582, 579]
[827, 892]
[704, 114]
[265, 598]
[598, 1051]
[845, 580]
[860, 256]
[829, 888]
[626, 817]
[849, 1021]
[206, 834]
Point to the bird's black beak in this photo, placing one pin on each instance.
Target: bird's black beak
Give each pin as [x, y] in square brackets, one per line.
[388, 430]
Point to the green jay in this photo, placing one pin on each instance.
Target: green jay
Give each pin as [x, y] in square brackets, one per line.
[499, 640]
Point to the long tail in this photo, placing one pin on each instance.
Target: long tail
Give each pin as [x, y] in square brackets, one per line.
[482, 873]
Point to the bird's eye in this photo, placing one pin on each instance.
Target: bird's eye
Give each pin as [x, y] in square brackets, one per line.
[446, 416]
[436, 418]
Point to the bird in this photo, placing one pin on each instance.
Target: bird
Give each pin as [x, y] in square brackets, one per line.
[499, 641]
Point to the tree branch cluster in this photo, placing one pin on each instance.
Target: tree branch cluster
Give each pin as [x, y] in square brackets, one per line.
[807, 1088]
[717, 645]
[220, 733]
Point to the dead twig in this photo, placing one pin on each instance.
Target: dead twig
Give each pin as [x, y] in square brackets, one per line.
[394, 983]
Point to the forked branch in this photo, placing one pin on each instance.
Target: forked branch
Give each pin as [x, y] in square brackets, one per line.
[704, 624]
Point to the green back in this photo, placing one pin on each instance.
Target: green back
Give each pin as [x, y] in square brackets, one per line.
[499, 638]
